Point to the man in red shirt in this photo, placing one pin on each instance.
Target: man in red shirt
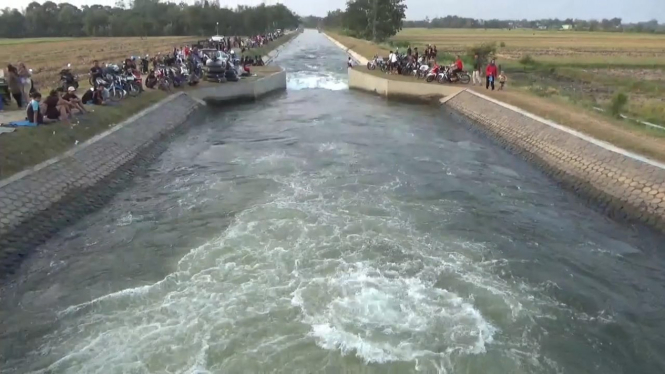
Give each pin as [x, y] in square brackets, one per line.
[457, 67]
[490, 73]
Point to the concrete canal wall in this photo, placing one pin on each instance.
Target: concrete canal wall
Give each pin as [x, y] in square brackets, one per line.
[626, 185]
[244, 90]
[393, 88]
[38, 202]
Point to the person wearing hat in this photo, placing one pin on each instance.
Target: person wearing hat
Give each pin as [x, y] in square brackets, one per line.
[71, 97]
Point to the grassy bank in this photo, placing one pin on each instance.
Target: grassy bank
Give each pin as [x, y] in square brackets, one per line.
[28, 146]
[567, 95]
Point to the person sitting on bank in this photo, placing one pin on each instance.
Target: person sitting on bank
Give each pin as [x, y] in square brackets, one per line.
[349, 62]
[33, 111]
[76, 103]
[94, 96]
[57, 108]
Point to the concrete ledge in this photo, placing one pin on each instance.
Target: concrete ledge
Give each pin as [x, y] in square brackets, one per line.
[369, 82]
[626, 186]
[355, 56]
[244, 90]
[37, 203]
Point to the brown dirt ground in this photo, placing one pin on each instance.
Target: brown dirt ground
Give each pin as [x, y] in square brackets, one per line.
[48, 58]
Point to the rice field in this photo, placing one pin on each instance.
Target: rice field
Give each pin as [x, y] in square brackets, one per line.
[47, 56]
[554, 47]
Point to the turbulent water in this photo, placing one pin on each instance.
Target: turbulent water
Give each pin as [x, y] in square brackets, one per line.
[325, 230]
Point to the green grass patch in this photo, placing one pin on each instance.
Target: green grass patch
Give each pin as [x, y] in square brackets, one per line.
[29, 146]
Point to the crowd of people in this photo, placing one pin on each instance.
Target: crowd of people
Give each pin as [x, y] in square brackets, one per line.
[413, 59]
[184, 64]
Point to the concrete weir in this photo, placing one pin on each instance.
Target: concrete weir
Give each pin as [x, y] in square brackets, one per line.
[245, 90]
[38, 202]
[624, 184]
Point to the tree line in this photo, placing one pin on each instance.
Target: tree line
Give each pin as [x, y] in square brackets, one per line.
[143, 18]
[375, 20]
[339, 19]
[610, 25]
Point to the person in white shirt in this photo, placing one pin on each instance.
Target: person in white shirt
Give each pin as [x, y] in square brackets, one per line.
[393, 61]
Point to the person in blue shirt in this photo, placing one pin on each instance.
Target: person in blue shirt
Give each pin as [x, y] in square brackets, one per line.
[33, 112]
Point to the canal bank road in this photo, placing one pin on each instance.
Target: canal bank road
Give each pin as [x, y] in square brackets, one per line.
[322, 229]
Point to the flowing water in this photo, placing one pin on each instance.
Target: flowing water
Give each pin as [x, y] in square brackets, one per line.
[326, 230]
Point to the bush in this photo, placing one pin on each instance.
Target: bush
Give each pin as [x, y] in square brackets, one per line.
[617, 104]
[527, 60]
[502, 45]
[485, 51]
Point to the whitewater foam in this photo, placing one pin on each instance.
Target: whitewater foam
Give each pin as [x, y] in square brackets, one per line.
[302, 81]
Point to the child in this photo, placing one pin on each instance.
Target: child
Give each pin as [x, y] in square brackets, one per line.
[34, 111]
[502, 80]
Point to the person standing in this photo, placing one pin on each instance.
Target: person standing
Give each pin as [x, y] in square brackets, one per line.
[15, 85]
[491, 73]
[26, 80]
[476, 71]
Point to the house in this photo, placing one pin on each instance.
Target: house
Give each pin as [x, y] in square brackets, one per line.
[566, 27]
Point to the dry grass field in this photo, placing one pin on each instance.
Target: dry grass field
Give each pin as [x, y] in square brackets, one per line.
[554, 47]
[47, 56]
[573, 73]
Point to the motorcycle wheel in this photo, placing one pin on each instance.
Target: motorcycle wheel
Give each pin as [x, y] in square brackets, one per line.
[116, 94]
[429, 79]
[133, 89]
[369, 66]
[464, 78]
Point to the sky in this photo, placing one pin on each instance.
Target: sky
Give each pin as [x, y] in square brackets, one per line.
[628, 10]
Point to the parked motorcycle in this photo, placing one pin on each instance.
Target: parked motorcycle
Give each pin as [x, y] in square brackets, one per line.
[432, 74]
[68, 79]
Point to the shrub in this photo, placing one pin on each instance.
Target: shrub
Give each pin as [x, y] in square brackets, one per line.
[527, 60]
[617, 104]
[484, 51]
[502, 45]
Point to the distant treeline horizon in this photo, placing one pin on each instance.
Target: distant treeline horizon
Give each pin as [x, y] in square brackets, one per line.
[335, 19]
[143, 18]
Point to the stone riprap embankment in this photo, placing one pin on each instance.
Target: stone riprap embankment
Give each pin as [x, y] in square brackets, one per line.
[36, 203]
[624, 184]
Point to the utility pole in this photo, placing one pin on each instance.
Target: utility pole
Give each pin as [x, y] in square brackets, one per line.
[374, 10]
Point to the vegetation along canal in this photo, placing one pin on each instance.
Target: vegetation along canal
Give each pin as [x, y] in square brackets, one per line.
[326, 230]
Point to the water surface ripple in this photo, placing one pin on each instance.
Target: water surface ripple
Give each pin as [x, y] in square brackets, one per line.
[325, 230]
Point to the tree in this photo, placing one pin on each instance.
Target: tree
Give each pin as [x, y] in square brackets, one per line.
[374, 19]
